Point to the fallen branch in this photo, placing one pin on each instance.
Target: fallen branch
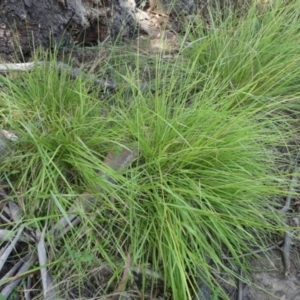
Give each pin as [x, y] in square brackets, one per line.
[286, 249]
[47, 282]
[9, 248]
[28, 261]
[240, 286]
[124, 279]
[291, 191]
[74, 73]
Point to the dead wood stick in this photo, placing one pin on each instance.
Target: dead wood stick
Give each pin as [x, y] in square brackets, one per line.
[10, 248]
[240, 286]
[74, 72]
[124, 279]
[11, 272]
[291, 191]
[29, 260]
[47, 282]
[286, 249]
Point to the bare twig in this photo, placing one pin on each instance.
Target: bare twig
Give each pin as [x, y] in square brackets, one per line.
[19, 66]
[9, 248]
[292, 190]
[74, 72]
[240, 286]
[86, 201]
[49, 292]
[286, 249]
[26, 287]
[29, 260]
[124, 279]
[6, 234]
[11, 272]
[288, 235]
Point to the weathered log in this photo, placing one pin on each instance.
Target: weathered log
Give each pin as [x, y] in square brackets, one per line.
[28, 24]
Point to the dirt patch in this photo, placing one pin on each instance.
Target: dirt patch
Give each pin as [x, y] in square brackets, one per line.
[269, 281]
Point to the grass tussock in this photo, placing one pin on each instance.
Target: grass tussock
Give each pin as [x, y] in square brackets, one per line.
[251, 56]
[208, 171]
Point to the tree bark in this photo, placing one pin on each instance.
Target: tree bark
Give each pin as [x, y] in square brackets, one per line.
[27, 24]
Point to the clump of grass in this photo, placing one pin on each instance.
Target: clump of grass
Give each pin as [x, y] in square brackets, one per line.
[64, 132]
[207, 173]
[253, 57]
[207, 183]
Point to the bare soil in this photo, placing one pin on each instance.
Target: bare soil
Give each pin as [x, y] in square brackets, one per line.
[269, 281]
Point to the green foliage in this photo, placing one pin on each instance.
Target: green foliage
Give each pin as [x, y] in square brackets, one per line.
[254, 56]
[208, 170]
